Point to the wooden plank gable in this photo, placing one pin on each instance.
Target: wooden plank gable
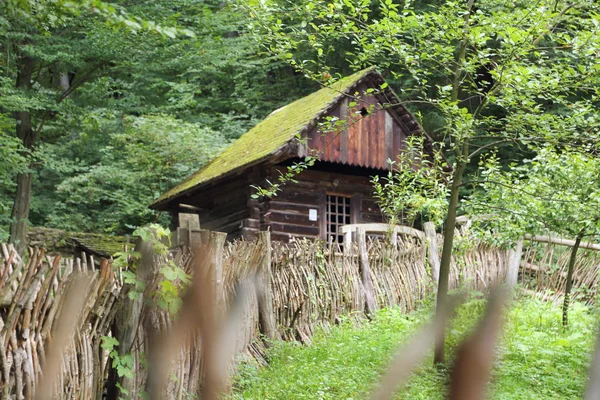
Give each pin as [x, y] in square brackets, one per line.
[369, 140]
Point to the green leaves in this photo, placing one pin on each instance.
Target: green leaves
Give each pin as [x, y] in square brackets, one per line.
[124, 364]
[139, 159]
[557, 191]
[415, 187]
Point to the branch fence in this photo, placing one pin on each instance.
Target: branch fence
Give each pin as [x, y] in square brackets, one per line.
[303, 285]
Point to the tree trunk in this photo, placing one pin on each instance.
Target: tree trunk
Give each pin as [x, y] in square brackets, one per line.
[25, 132]
[572, 259]
[442, 291]
[461, 164]
[20, 211]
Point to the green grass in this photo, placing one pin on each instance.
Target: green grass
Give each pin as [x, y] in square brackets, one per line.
[536, 359]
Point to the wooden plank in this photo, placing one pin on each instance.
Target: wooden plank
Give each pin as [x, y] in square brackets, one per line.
[223, 209]
[292, 208]
[296, 219]
[189, 220]
[352, 139]
[251, 223]
[323, 216]
[216, 224]
[369, 204]
[246, 233]
[203, 197]
[514, 261]
[360, 152]
[285, 237]
[382, 154]
[365, 273]
[432, 250]
[299, 197]
[389, 136]
[372, 138]
[335, 141]
[383, 228]
[368, 218]
[344, 134]
[562, 242]
[355, 208]
[295, 229]
[319, 176]
[266, 315]
[231, 227]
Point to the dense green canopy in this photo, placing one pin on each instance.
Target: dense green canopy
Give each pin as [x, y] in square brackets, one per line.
[117, 95]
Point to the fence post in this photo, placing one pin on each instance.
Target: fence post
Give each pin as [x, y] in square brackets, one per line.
[128, 316]
[213, 243]
[214, 379]
[266, 316]
[432, 250]
[365, 272]
[514, 261]
[347, 240]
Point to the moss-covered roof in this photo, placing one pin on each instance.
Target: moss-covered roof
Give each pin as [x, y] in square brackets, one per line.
[102, 245]
[268, 136]
[65, 242]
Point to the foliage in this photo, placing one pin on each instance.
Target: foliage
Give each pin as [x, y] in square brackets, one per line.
[139, 158]
[558, 191]
[102, 69]
[172, 282]
[12, 162]
[414, 187]
[124, 364]
[537, 360]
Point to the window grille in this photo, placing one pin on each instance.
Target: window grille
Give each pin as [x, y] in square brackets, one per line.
[338, 214]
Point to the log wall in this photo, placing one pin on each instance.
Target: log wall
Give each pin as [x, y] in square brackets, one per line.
[229, 207]
[224, 206]
[287, 214]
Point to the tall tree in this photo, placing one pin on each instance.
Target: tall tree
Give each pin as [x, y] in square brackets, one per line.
[44, 64]
[494, 72]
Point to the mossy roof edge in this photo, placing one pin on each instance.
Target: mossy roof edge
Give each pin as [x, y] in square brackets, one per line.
[268, 136]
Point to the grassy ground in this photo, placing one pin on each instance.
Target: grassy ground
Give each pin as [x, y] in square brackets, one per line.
[536, 359]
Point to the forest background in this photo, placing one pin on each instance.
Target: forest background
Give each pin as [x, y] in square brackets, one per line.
[101, 103]
[123, 101]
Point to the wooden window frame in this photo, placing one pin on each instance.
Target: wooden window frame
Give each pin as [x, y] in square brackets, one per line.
[355, 204]
[338, 212]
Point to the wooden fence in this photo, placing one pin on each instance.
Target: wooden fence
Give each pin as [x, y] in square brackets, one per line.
[33, 296]
[308, 284]
[544, 266]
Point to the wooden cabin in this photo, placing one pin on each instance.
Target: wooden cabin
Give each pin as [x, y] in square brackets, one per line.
[333, 192]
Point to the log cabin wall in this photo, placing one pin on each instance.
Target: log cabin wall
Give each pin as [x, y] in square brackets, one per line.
[223, 206]
[287, 214]
[369, 140]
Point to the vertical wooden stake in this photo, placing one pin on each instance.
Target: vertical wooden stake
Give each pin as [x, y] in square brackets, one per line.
[266, 316]
[127, 318]
[213, 243]
[215, 379]
[365, 272]
[432, 250]
[514, 261]
[347, 241]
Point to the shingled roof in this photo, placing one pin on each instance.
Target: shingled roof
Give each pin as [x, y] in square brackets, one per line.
[273, 133]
